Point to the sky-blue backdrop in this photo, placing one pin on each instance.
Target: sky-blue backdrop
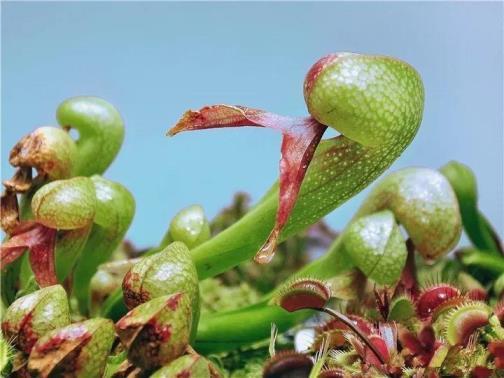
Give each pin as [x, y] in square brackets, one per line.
[155, 60]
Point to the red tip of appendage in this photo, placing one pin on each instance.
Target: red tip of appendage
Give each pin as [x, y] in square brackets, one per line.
[267, 251]
[212, 117]
[40, 241]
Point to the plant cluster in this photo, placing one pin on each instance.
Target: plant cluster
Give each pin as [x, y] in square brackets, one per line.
[383, 300]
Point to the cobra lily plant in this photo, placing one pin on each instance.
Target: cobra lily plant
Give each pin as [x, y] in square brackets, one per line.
[382, 297]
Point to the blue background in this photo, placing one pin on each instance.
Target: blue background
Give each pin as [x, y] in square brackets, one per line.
[155, 60]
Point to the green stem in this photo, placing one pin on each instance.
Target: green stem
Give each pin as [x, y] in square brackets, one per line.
[483, 259]
[226, 332]
[114, 307]
[476, 226]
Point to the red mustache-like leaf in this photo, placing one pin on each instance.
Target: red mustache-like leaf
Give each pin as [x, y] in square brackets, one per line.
[40, 241]
[300, 139]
